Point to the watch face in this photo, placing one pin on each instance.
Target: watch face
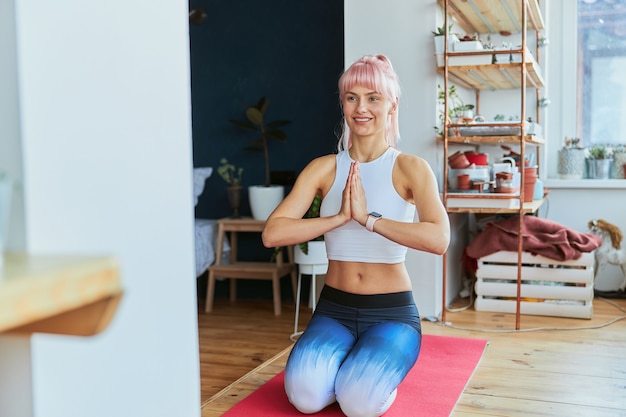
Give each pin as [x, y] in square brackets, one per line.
[374, 214]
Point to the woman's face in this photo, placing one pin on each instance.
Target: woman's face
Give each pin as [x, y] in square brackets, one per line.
[366, 111]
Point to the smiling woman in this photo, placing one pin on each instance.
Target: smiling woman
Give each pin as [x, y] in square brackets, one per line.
[371, 193]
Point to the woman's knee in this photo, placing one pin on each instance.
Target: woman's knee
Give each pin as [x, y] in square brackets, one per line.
[309, 388]
[313, 364]
[308, 399]
[357, 402]
[368, 378]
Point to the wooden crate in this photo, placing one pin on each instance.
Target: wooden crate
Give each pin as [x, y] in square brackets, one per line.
[549, 287]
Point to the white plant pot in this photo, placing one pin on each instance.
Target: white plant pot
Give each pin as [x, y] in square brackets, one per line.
[263, 200]
[313, 263]
[440, 43]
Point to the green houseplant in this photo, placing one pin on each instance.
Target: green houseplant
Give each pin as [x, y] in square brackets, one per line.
[599, 162]
[314, 211]
[232, 175]
[599, 152]
[263, 198]
[229, 173]
[255, 121]
[439, 37]
[456, 107]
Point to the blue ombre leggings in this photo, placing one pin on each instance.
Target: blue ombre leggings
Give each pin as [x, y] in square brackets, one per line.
[356, 350]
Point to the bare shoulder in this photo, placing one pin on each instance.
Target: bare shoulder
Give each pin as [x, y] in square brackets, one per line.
[412, 177]
[322, 164]
[318, 174]
[412, 164]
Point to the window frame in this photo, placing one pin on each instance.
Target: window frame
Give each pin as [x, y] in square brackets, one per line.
[562, 85]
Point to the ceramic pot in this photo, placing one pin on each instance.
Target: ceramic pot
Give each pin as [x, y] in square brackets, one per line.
[530, 178]
[458, 160]
[475, 174]
[463, 182]
[571, 163]
[480, 159]
[316, 256]
[599, 169]
[619, 161]
[263, 200]
[440, 42]
[234, 199]
[504, 182]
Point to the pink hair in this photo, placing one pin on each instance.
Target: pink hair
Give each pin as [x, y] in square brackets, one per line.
[376, 73]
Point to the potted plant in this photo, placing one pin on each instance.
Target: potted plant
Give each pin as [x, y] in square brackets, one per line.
[263, 198]
[439, 37]
[599, 161]
[311, 252]
[311, 259]
[571, 164]
[619, 161]
[232, 176]
[314, 211]
[457, 109]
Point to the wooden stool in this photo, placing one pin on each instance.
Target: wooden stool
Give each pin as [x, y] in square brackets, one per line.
[247, 270]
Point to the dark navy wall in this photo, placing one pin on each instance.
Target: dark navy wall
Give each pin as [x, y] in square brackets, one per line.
[289, 51]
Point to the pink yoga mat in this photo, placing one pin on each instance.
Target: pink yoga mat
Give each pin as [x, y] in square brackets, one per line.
[431, 389]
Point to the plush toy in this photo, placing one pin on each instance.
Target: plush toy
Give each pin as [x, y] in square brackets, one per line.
[610, 252]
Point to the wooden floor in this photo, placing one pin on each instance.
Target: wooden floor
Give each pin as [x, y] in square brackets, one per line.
[550, 367]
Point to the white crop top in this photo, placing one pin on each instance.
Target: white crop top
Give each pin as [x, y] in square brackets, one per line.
[352, 242]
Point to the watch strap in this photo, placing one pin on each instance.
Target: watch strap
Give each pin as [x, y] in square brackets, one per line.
[371, 219]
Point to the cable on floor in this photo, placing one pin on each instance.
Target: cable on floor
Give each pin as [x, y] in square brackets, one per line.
[597, 326]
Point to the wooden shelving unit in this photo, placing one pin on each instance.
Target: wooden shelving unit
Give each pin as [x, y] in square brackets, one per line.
[491, 140]
[494, 16]
[490, 17]
[494, 76]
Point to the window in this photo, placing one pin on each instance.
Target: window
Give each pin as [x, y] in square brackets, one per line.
[601, 71]
[585, 70]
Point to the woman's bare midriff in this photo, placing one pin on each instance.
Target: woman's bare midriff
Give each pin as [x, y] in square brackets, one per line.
[368, 278]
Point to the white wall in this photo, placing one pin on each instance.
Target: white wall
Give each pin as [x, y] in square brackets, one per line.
[104, 96]
[575, 207]
[401, 30]
[10, 148]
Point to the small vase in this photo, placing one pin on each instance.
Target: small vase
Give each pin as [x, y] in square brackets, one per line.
[234, 199]
[571, 163]
[619, 161]
[598, 169]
